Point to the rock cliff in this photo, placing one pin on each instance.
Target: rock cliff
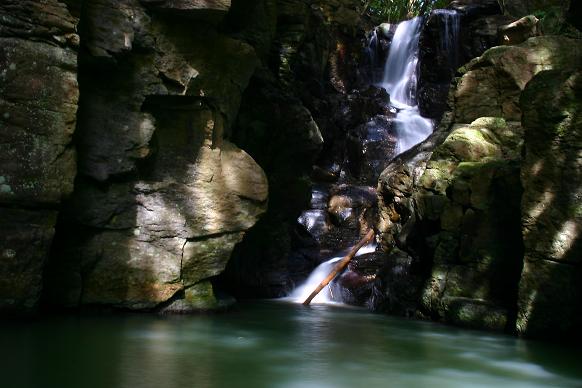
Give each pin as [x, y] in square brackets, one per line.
[124, 121]
[458, 218]
[39, 93]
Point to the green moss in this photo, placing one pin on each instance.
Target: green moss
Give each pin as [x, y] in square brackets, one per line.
[201, 296]
[576, 211]
[490, 122]
[475, 314]
[565, 125]
[437, 175]
[471, 143]
[469, 169]
[5, 189]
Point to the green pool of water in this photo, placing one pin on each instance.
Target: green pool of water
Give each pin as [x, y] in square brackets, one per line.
[273, 344]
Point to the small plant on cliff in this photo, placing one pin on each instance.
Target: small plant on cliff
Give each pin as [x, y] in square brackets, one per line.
[397, 10]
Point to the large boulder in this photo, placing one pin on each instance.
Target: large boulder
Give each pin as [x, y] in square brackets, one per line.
[550, 288]
[142, 242]
[491, 84]
[38, 105]
[519, 31]
[161, 198]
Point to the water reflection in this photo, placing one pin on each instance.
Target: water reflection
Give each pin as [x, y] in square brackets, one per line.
[274, 344]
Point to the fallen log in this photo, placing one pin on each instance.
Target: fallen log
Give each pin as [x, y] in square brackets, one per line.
[340, 266]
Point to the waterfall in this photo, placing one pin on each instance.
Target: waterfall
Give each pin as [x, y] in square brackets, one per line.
[449, 34]
[400, 69]
[327, 295]
[372, 51]
[400, 80]
[399, 76]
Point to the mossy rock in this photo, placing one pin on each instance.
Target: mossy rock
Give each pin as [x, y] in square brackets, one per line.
[474, 313]
[470, 144]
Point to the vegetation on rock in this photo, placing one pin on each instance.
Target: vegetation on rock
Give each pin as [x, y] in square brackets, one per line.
[393, 11]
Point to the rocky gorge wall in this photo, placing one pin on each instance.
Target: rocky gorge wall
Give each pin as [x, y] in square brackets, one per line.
[122, 119]
[481, 217]
[39, 96]
[160, 196]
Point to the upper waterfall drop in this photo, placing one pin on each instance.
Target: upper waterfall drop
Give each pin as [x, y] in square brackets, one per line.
[400, 80]
[400, 73]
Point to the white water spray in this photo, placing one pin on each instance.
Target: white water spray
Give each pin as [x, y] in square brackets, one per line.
[325, 296]
[400, 80]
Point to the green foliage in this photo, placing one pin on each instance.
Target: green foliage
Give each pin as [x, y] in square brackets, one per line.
[393, 11]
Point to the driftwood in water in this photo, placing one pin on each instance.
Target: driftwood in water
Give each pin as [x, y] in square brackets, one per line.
[340, 266]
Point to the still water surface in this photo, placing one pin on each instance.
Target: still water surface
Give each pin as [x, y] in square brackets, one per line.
[273, 344]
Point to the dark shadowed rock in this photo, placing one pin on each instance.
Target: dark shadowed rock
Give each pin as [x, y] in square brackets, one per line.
[370, 147]
[550, 288]
[25, 240]
[38, 106]
[519, 31]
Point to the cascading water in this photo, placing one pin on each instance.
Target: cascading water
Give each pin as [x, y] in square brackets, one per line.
[400, 80]
[449, 34]
[372, 51]
[327, 295]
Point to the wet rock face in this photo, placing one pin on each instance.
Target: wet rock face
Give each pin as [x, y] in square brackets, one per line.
[294, 121]
[38, 106]
[449, 39]
[379, 43]
[369, 148]
[161, 198]
[337, 220]
[551, 206]
[357, 282]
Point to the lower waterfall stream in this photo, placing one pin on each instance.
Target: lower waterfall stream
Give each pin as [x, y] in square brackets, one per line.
[327, 294]
[400, 80]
